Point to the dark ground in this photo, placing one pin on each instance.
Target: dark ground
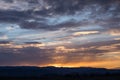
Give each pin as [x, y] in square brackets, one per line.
[115, 77]
[53, 73]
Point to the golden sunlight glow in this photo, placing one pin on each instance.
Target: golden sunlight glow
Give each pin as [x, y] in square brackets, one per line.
[64, 50]
[56, 43]
[114, 32]
[12, 45]
[34, 45]
[85, 33]
[111, 47]
[116, 38]
[97, 64]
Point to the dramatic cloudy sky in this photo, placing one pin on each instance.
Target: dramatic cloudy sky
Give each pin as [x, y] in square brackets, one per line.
[67, 33]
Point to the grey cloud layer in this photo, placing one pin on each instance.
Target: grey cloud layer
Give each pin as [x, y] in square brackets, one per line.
[38, 56]
[55, 14]
[28, 55]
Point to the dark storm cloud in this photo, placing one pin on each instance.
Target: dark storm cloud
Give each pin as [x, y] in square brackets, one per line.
[45, 26]
[8, 1]
[27, 55]
[32, 42]
[13, 16]
[41, 10]
[112, 23]
[4, 42]
[71, 6]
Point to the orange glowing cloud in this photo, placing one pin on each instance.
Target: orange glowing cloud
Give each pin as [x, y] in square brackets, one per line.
[85, 33]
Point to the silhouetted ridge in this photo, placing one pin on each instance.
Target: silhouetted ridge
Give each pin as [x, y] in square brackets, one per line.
[25, 71]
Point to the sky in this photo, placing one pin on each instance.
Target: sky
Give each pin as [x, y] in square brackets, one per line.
[61, 33]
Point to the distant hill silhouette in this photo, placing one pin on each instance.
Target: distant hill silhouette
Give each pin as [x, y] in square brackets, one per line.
[55, 73]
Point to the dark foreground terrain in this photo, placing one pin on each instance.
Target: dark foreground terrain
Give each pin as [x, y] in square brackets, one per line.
[53, 73]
